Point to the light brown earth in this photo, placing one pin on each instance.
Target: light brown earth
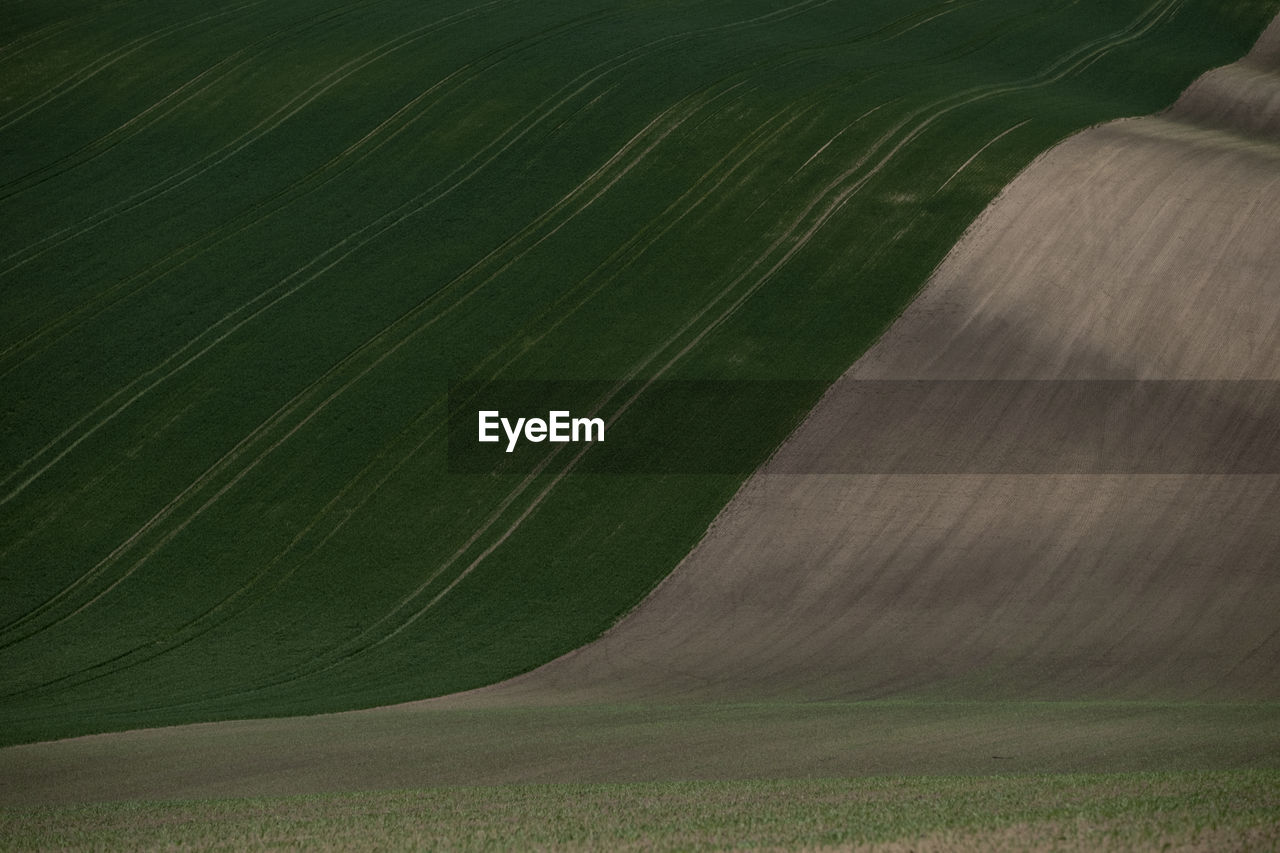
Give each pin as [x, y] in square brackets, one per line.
[1061, 539]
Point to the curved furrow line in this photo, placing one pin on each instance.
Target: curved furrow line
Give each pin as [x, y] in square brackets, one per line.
[387, 221]
[24, 43]
[166, 105]
[777, 14]
[295, 105]
[406, 328]
[355, 154]
[351, 243]
[90, 151]
[285, 112]
[1073, 62]
[95, 68]
[220, 613]
[992, 141]
[555, 314]
[906, 24]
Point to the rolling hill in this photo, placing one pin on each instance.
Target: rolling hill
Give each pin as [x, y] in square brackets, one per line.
[250, 248]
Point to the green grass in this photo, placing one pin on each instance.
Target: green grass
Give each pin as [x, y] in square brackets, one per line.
[1206, 811]
[248, 248]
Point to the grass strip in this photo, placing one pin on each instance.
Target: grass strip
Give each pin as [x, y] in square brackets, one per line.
[1185, 810]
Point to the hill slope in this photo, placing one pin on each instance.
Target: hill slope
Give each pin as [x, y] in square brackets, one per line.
[249, 246]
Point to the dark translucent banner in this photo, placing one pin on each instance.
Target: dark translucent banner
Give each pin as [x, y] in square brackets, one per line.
[869, 427]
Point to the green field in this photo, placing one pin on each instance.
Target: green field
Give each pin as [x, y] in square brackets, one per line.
[939, 775]
[1186, 811]
[248, 247]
